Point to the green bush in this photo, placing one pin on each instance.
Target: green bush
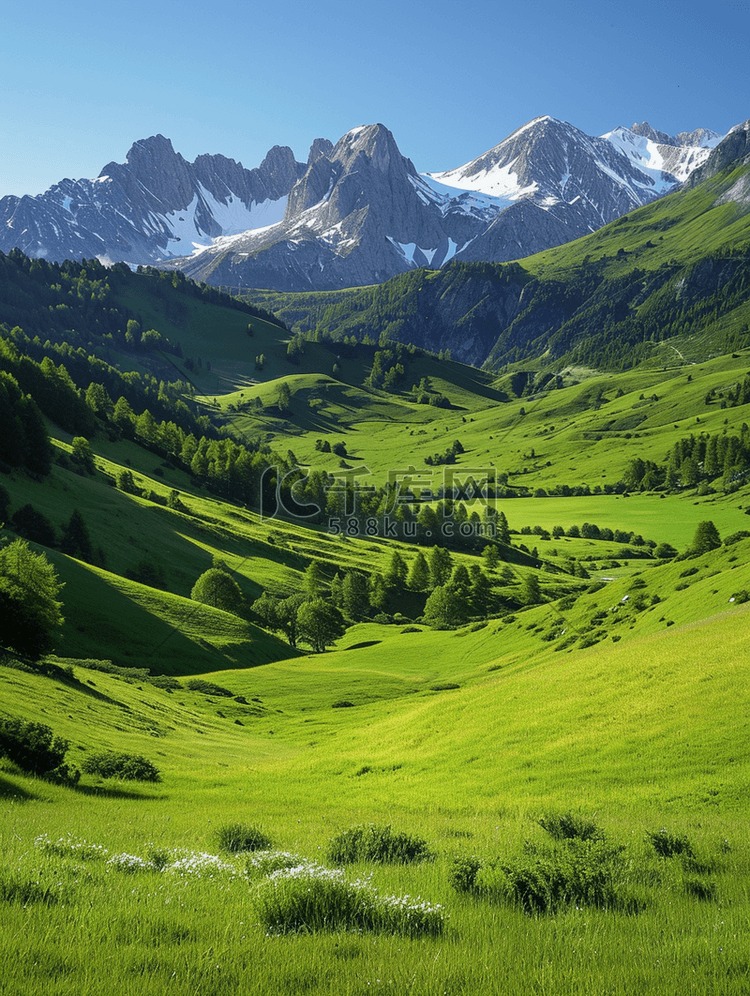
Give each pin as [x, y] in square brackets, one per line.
[35, 749]
[580, 873]
[545, 879]
[128, 767]
[569, 826]
[370, 842]
[311, 898]
[237, 837]
[208, 688]
[668, 845]
[463, 873]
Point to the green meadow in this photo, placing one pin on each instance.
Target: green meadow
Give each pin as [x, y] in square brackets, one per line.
[547, 796]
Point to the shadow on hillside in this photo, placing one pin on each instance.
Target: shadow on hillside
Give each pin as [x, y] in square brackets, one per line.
[103, 622]
[9, 790]
[110, 792]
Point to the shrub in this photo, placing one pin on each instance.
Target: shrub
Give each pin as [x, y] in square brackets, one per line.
[581, 873]
[667, 844]
[569, 826]
[311, 898]
[32, 746]
[164, 681]
[208, 688]
[736, 537]
[370, 842]
[128, 767]
[237, 837]
[463, 873]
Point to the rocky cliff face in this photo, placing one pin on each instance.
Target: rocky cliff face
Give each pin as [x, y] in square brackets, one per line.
[153, 206]
[732, 151]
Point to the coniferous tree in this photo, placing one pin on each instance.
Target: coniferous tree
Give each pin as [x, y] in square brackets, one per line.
[480, 593]
[491, 556]
[33, 525]
[312, 581]
[76, 541]
[531, 593]
[441, 564]
[355, 595]
[706, 538]
[396, 572]
[378, 593]
[419, 574]
[38, 448]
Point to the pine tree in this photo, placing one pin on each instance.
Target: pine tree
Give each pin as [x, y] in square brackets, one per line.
[531, 593]
[378, 593]
[76, 541]
[419, 574]
[441, 564]
[706, 538]
[396, 572]
[355, 595]
[312, 581]
[491, 556]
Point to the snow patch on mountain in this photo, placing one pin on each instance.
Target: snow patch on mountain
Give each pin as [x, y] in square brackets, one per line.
[233, 216]
[665, 164]
[497, 182]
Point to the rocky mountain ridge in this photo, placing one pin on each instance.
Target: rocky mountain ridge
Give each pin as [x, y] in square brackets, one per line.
[355, 213]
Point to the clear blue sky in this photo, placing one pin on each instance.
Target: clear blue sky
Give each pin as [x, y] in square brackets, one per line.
[83, 81]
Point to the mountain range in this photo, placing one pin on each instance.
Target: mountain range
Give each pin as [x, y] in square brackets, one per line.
[355, 213]
[673, 267]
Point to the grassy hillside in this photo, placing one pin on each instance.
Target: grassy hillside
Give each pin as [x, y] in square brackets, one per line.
[625, 735]
[597, 684]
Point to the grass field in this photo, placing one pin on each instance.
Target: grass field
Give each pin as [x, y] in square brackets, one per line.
[624, 735]
[619, 699]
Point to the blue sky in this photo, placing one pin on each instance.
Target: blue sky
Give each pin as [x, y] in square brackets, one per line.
[82, 82]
